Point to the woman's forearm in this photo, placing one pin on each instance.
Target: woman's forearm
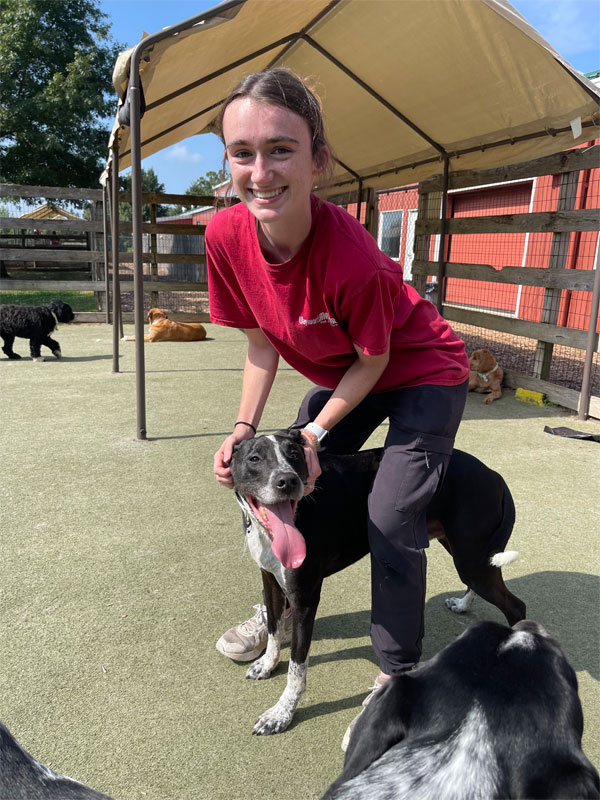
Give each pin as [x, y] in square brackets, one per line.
[259, 373]
[355, 385]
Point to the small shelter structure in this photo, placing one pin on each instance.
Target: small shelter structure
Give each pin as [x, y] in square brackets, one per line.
[410, 90]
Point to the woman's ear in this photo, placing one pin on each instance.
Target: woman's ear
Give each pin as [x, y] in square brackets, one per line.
[321, 160]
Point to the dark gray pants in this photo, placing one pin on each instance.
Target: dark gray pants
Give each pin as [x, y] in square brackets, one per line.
[423, 421]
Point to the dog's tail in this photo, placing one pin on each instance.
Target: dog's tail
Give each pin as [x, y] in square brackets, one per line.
[502, 559]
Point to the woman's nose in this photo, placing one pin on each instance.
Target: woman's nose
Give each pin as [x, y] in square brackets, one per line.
[261, 170]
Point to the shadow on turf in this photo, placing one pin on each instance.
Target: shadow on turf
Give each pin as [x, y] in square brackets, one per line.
[49, 359]
[559, 600]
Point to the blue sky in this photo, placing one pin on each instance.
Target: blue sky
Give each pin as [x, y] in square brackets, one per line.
[572, 27]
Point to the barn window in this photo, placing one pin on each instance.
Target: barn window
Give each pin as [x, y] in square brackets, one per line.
[390, 232]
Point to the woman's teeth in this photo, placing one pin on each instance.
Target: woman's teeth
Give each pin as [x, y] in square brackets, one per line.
[266, 195]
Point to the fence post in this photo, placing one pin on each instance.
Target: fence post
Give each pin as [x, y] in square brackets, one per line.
[558, 260]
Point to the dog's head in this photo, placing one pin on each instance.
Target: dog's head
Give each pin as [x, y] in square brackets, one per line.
[482, 360]
[62, 311]
[154, 314]
[269, 475]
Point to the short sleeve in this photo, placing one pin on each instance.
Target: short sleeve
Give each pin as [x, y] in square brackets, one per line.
[227, 303]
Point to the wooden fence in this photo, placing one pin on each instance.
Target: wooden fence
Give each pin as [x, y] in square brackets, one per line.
[553, 280]
[430, 223]
[98, 252]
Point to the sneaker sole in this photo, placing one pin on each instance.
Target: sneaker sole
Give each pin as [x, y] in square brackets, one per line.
[249, 655]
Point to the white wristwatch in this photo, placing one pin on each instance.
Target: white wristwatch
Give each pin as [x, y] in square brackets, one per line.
[318, 431]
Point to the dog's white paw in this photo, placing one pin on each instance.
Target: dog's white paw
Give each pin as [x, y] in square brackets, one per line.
[454, 604]
[39, 358]
[261, 669]
[275, 720]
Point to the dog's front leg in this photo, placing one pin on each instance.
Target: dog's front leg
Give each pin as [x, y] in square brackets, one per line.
[275, 603]
[279, 717]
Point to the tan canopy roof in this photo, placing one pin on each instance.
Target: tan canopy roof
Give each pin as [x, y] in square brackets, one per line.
[403, 82]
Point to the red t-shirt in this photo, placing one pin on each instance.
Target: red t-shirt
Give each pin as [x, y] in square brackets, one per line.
[338, 290]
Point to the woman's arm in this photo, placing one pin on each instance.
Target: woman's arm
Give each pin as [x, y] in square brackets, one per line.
[259, 373]
[356, 384]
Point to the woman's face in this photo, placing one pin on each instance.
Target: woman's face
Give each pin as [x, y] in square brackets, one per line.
[269, 151]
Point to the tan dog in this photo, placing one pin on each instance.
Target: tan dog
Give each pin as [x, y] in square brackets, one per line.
[485, 375]
[163, 329]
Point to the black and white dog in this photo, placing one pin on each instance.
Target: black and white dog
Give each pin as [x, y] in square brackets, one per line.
[24, 778]
[35, 323]
[495, 714]
[299, 542]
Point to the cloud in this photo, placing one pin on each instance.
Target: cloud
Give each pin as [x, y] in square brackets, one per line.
[181, 153]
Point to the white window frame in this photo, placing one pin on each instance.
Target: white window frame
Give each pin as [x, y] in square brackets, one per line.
[395, 211]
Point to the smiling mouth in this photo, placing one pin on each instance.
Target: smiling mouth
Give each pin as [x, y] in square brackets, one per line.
[266, 195]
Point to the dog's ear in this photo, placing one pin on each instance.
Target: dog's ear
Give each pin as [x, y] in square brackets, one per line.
[554, 776]
[236, 447]
[382, 725]
[295, 434]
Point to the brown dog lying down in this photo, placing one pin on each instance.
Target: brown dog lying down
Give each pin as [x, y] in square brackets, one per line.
[163, 329]
[485, 374]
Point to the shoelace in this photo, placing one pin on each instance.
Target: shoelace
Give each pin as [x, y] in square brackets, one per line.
[372, 689]
[255, 622]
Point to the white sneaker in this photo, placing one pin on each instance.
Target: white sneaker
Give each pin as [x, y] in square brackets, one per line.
[379, 683]
[246, 641]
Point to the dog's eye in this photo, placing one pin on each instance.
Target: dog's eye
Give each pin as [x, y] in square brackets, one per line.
[254, 459]
[292, 455]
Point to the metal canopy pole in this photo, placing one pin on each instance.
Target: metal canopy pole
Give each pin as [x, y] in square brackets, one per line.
[106, 259]
[136, 197]
[114, 221]
[138, 267]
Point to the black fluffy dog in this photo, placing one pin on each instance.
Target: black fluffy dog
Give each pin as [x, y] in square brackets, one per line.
[495, 714]
[34, 323]
[24, 778]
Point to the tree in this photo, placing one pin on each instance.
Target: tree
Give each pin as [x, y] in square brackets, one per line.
[56, 96]
[206, 184]
[202, 186]
[150, 183]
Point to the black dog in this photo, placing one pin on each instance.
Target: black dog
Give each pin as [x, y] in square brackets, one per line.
[34, 323]
[494, 715]
[24, 778]
[472, 515]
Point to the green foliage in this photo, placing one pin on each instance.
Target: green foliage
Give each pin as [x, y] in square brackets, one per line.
[202, 186]
[56, 96]
[150, 183]
[206, 184]
[79, 301]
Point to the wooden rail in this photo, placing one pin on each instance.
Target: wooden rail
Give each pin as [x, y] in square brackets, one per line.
[553, 279]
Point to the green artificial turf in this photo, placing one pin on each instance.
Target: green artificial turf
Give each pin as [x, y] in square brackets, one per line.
[123, 562]
[79, 301]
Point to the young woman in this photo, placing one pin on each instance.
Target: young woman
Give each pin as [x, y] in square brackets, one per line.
[306, 282]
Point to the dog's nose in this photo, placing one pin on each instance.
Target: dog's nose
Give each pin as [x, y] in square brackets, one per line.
[287, 481]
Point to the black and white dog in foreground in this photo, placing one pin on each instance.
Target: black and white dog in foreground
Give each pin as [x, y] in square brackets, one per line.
[495, 714]
[35, 323]
[299, 542]
[24, 778]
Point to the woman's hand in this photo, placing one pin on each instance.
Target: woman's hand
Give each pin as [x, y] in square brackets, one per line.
[312, 460]
[223, 455]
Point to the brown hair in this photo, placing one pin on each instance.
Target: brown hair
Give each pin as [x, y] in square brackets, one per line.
[282, 87]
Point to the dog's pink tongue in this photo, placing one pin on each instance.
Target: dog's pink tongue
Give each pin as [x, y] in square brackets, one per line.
[288, 543]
